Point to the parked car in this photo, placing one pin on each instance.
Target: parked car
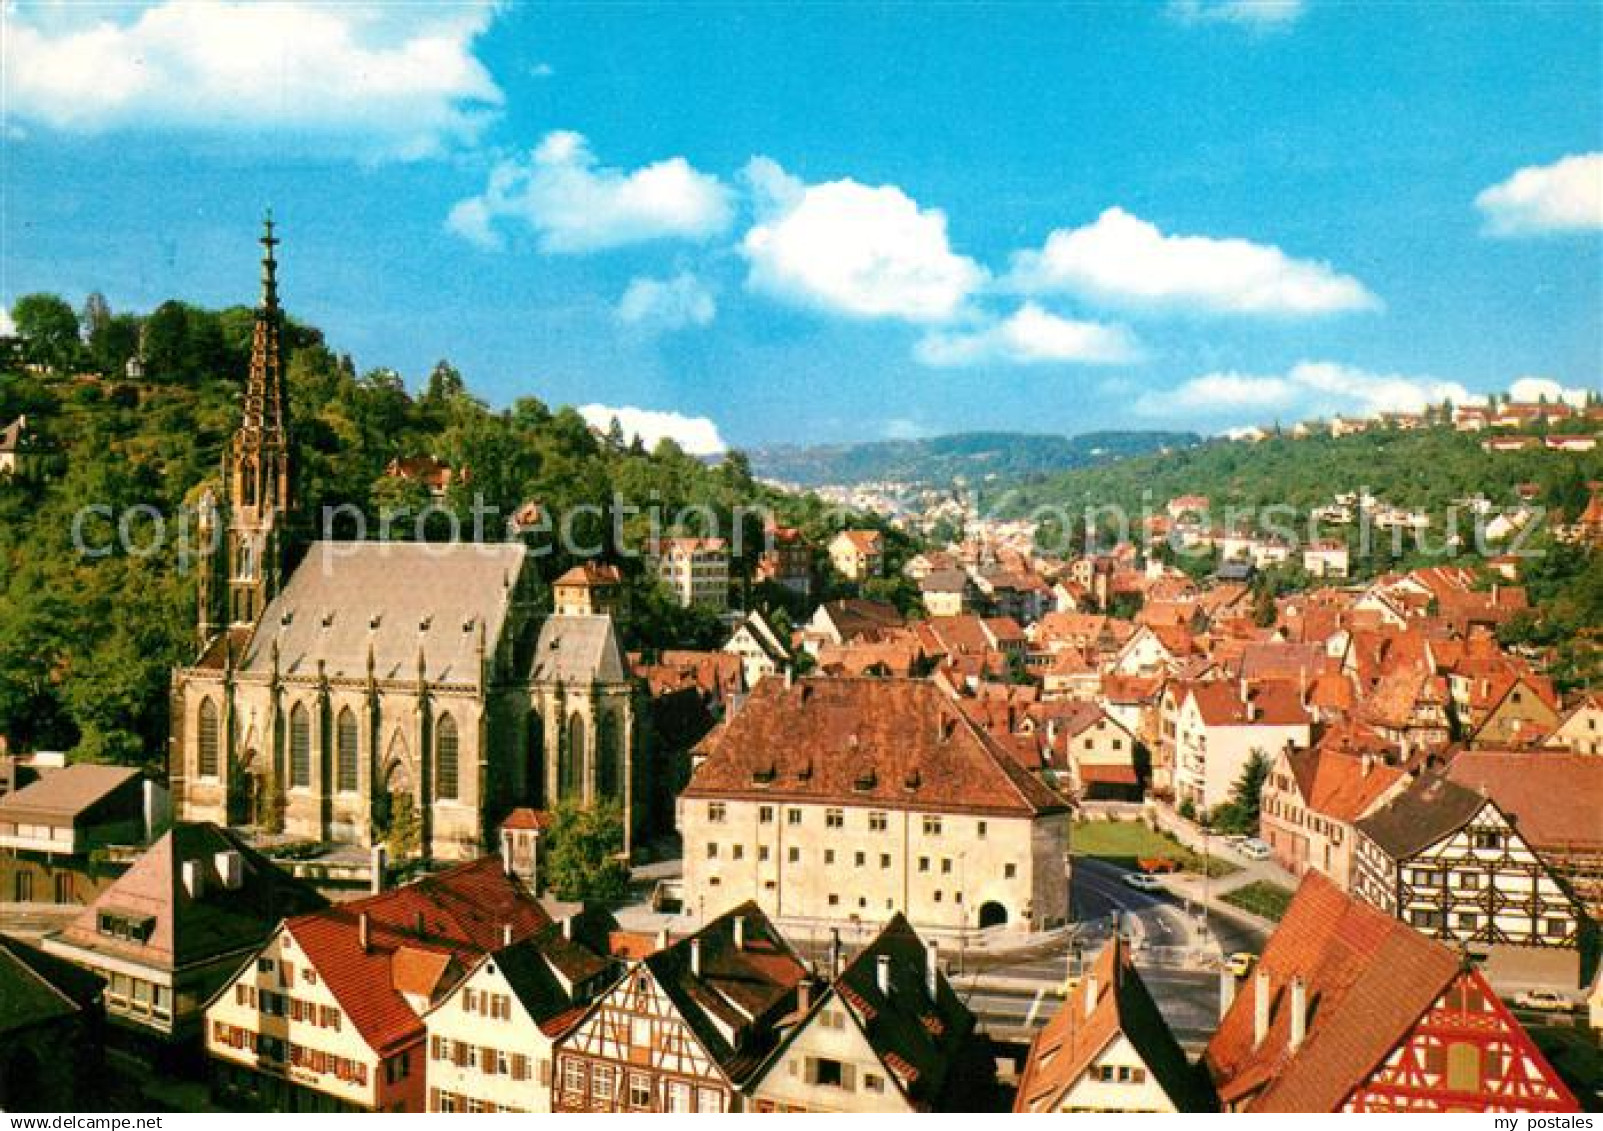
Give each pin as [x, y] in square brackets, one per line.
[1142, 882]
[1254, 849]
[1157, 865]
[1545, 1001]
[1240, 963]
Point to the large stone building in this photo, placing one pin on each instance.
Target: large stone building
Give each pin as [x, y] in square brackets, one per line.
[405, 692]
[839, 801]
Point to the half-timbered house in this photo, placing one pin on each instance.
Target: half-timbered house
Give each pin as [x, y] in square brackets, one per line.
[1446, 860]
[683, 1029]
[1350, 1010]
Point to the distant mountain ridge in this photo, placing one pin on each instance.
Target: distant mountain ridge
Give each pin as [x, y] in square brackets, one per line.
[973, 456]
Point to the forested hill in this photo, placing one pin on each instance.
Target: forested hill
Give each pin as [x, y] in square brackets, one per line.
[87, 642]
[972, 456]
[1427, 469]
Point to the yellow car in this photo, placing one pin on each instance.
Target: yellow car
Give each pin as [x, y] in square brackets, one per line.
[1240, 963]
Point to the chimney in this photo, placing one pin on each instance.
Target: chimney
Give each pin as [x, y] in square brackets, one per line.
[1260, 1006]
[932, 967]
[1227, 991]
[506, 934]
[567, 927]
[1092, 990]
[417, 925]
[380, 865]
[804, 995]
[1299, 1012]
[695, 957]
[834, 954]
[361, 931]
[506, 852]
[194, 878]
[740, 932]
[663, 939]
[882, 974]
[155, 810]
[1368, 763]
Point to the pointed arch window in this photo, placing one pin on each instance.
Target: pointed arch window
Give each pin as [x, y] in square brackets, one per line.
[209, 739]
[345, 751]
[570, 777]
[445, 758]
[300, 747]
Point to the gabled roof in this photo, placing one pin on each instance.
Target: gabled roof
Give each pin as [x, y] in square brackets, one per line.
[541, 971]
[743, 988]
[184, 929]
[1340, 785]
[455, 916]
[918, 1037]
[349, 600]
[1554, 799]
[590, 575]
[897, 743]
[37, 988]
[864, 541]
[1111, 999]
[1369, 979]
[578, 650]
[856, 616]
[1432, 807]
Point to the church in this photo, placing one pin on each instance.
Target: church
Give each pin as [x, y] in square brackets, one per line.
[382, 692]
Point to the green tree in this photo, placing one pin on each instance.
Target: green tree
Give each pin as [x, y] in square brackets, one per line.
[585, 859]
[1240, 813]
[50, 326]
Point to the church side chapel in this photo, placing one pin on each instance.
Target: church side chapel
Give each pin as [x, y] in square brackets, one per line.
[406, 694]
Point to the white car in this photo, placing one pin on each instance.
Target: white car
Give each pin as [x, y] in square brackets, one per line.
[1254, 849]
[1142, 882]
[1544, 1000]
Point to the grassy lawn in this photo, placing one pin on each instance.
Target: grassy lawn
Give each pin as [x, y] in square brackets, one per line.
[1125, 842]
[1261, 898]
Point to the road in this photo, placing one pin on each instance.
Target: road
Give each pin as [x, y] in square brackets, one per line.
[1176, 952]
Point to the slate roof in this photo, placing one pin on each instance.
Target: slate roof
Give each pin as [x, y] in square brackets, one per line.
[1431, 808]
[896, 743]
[346, 598]
[184, 929]
[578, 650]
[744, 988]
[1073, 1039]
[919, 1038]
[456, 916]
[1369, 979]
[37, 988]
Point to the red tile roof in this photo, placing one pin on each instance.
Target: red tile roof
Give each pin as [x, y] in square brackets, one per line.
[455, 915]
[897, 743]
[1369, 979]
[1554, 798]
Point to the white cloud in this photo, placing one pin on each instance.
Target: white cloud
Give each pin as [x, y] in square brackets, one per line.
[575, 205]
[1255, 15]
[8, 328]
[1030, 336]
[853, 249]
[697, 435]
[379, 81]
[667, 304]
[1530, 390]
[1566, 196]
[1122, 258]
[1309, 388]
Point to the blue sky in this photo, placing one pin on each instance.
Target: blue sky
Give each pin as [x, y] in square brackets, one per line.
[846, 222]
